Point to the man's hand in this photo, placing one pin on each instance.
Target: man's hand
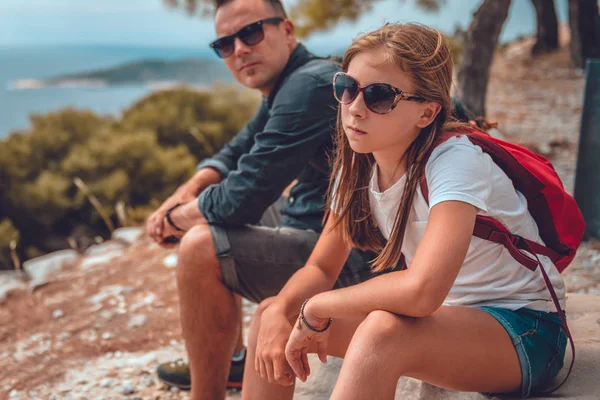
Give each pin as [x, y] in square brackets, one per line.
[155, 225]
[183, 218]
[270, 362]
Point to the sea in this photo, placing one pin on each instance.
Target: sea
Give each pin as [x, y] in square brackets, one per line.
[26, 63]
[22, 64]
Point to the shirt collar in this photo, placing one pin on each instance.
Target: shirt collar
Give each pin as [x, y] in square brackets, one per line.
[298, 58]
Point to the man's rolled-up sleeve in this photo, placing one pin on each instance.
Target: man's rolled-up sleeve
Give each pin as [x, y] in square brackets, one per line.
[302, 119]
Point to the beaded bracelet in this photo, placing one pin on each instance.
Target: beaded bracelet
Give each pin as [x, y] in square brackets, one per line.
[302, 319]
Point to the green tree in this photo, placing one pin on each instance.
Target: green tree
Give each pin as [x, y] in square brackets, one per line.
[202, 120]
[138, 160]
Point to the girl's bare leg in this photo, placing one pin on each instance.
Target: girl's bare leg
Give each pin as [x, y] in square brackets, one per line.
[457, 348]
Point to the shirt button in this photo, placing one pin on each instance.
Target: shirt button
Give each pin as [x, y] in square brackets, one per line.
[291, 199]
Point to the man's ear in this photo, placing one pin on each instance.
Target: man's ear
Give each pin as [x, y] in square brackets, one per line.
[430, 111]
[289, 29]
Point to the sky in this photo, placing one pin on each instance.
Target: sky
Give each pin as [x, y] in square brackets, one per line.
[149, 23]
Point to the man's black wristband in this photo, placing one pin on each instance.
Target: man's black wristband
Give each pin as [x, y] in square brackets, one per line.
[169, 220]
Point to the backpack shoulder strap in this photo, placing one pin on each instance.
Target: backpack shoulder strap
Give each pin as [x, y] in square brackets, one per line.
[490, 229]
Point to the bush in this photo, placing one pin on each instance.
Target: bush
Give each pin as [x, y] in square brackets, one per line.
[138, 160]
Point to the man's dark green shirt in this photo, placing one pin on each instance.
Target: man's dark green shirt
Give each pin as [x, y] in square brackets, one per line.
[290, 137]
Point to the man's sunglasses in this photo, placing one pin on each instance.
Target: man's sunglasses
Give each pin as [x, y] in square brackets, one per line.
[380, 98]
[251, 34]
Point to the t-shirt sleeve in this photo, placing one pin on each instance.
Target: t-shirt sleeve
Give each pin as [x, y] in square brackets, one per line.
[459, 170]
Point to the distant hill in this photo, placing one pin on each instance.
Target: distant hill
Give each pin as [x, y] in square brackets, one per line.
[195, 71]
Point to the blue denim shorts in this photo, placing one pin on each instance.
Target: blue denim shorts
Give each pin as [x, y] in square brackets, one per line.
[540, 342]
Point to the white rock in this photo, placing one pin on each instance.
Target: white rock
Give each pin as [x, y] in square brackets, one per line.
[137, 321]
[127, 388]
[43, 269]
[107, 335]
[147, 380]
[14, 394]
[106, 314]
[64, 336]
[103, 248]
[10, 281]
[91, 261]
[58, 313]
[146, 301]
[170, 261]
[107, 382]
[128, 235]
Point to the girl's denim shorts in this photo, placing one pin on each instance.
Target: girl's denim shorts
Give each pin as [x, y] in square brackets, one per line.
[540, 342]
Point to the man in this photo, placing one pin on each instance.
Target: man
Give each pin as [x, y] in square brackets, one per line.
[220, 254]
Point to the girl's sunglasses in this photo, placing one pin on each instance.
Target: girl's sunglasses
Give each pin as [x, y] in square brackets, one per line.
[251, 34]
[380, 98]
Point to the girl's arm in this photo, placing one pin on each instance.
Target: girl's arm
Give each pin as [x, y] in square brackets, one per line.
[421, 289]
[318, 275]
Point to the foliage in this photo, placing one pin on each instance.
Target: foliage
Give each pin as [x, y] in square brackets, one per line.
[139, 160]
[310, 15]
[203, 121]
[8, 233]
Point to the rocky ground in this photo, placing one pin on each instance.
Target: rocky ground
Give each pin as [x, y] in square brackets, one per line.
[99, 329]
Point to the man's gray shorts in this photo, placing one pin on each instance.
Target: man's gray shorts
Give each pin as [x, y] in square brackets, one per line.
[257, 261]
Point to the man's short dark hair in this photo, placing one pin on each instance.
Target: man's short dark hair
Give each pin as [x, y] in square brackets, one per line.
[276, 5]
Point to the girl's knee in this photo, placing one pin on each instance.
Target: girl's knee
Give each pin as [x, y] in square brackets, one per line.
[383, 327]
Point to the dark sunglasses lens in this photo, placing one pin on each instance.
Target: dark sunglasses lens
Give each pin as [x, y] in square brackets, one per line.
[346, 89]
[252, 34]
[379, 98]
[224, 47]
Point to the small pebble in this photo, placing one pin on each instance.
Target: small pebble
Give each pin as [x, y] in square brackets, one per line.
[107, 335]
[137, 321]
[127, 388]
[57, 313]
[107, 382]
[106, 314]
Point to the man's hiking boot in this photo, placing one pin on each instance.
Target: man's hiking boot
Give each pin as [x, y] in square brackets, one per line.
[177, 373]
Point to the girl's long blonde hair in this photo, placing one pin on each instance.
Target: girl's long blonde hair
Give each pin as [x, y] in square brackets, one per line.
[422, 53]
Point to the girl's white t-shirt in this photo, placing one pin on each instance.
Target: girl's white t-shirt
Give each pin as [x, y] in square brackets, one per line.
[489, 276]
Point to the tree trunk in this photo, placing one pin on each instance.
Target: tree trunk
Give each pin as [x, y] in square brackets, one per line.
[480, 44]
[547, 27]
[585, 31]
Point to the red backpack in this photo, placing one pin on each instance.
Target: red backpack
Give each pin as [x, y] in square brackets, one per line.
[559, 220]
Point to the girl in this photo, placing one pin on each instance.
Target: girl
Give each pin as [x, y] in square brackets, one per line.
[464, 315]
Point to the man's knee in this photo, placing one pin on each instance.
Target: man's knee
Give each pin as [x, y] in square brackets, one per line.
[197, 255]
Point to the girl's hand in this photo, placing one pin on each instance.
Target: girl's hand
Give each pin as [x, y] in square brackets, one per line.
[270, 360]
[300, 339]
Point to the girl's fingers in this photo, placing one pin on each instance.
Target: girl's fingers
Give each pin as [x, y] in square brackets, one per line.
[305, 364]
[293, 358]
[322, 351]
[298, 368]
